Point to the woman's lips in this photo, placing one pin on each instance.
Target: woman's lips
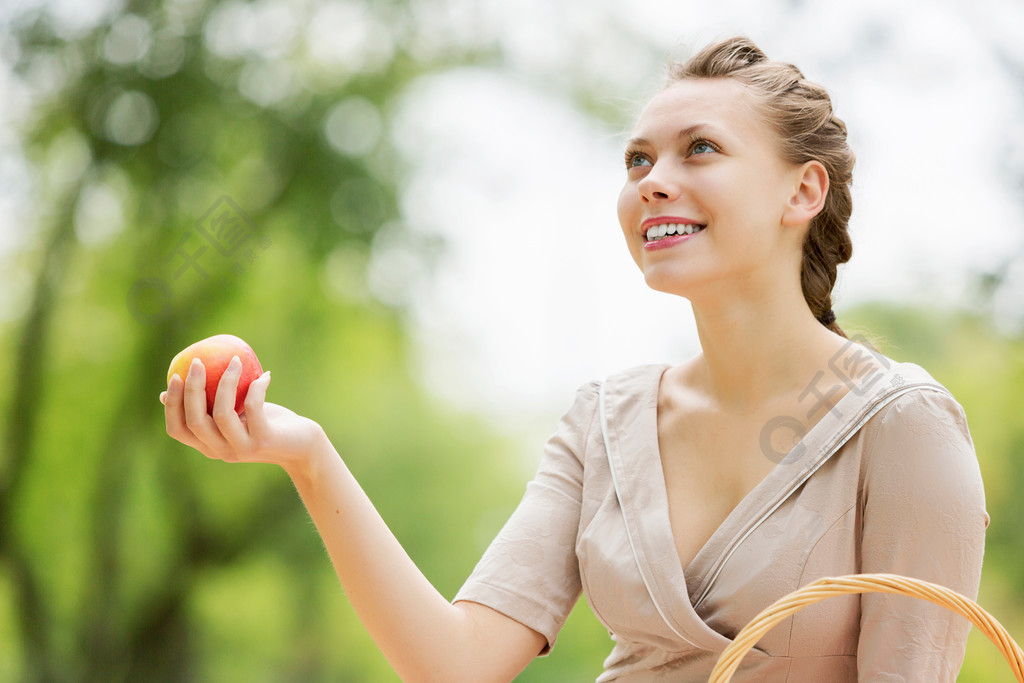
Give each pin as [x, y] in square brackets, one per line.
[667, 242]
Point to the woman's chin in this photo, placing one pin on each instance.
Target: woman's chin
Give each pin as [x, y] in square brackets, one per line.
[670, 283]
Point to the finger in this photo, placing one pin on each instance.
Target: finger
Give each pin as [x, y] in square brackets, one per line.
[255, 417]
[224, 399]
[196, 417]
[224, 407]
[174, 414]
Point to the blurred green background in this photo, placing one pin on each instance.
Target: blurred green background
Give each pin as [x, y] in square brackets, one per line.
[185, 185]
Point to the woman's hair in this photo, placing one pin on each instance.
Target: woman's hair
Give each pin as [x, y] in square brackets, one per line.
[800, 112]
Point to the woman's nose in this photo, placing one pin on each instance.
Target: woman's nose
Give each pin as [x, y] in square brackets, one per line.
[658, 185]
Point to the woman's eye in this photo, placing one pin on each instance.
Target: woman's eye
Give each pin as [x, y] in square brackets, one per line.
[633, 160]
[698, 145]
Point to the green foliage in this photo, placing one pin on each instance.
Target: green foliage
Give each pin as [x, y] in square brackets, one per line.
[123, 555]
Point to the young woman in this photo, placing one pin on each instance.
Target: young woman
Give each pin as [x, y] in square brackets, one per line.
[683, 500]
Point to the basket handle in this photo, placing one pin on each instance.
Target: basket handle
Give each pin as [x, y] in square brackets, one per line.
[821, 589]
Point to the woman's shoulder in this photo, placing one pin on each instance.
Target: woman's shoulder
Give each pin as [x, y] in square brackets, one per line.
[920, 425]
[637, 377]
[634, 380]
[622, 392]
[908, 392]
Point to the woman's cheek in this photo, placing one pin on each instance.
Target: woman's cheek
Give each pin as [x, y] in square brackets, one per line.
[628, 210]
[626, 206]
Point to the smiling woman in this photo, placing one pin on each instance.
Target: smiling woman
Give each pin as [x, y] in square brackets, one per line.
[666, 493]
[684, 513]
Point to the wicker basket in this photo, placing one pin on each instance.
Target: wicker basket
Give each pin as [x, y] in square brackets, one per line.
[865, 583]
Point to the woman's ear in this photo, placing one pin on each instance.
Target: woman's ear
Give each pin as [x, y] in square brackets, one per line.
[809, 194]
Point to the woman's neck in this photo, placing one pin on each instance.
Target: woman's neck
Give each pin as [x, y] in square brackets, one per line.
[757, 352]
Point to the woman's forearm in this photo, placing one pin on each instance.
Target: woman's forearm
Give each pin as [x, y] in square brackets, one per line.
[422, 635]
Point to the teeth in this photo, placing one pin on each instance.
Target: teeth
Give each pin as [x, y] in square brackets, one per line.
[658, 231]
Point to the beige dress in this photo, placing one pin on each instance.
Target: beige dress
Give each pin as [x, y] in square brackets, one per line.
[887, 481]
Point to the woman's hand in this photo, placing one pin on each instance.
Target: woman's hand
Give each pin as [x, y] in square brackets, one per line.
[264, 432]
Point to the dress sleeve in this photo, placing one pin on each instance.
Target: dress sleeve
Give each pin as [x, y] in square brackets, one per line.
[530, 571]
[923, 516]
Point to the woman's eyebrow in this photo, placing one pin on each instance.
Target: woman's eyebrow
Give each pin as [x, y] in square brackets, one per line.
[689, 131]
[683, 134]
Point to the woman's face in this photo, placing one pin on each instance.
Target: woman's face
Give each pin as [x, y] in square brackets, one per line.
[703, 163]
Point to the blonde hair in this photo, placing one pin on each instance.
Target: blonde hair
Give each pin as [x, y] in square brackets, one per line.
[800, 111]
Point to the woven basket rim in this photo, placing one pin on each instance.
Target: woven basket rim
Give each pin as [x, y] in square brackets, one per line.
[828, 587]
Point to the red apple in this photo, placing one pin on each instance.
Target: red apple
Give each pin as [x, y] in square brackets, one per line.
[215, 352]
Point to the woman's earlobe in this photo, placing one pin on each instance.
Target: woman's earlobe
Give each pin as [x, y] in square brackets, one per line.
[809, 195]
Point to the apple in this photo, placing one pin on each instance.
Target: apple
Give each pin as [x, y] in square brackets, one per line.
[216, 352]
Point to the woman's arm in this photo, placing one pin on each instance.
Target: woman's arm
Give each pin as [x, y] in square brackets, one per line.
[423, 636]
[923, 516]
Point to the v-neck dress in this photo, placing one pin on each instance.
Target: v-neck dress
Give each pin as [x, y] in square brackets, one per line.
[887, 481]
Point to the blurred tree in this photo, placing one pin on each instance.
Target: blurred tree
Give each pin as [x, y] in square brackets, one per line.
[197, 168]
[999, 288]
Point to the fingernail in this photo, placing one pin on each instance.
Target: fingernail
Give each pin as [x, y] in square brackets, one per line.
[196, 367]
[163, 397]
[235, 364]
